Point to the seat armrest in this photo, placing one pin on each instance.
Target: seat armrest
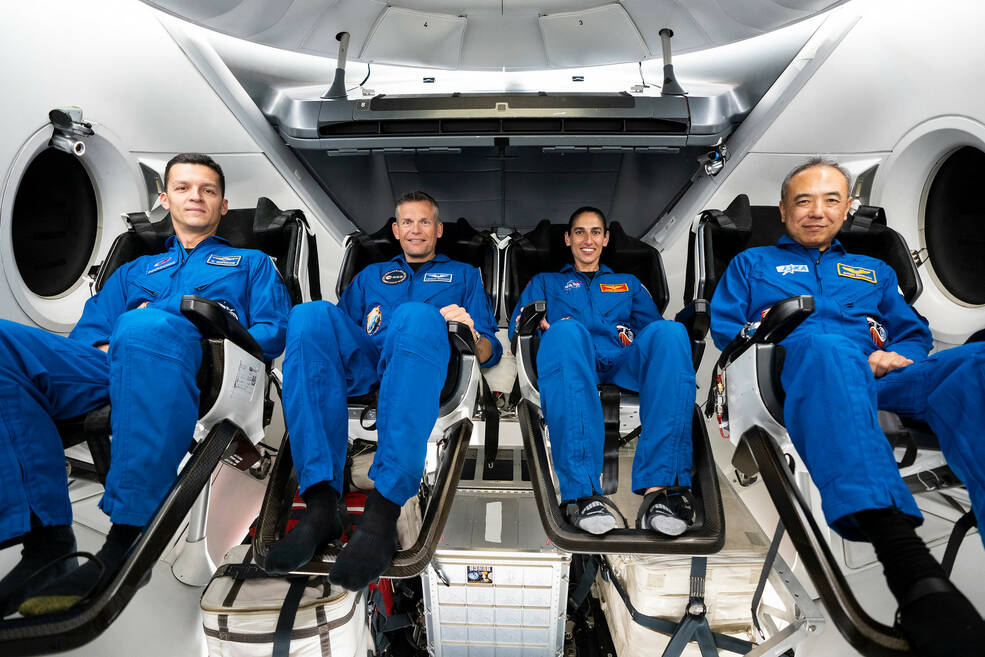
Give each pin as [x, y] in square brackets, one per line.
[695, 316]
[214, 322]
[783, 317]
[460, 336]
[529, 320]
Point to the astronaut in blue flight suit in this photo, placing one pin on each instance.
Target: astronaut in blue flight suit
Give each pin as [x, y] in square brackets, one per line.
[862, 349]
[134, 349]
[389, 328]
[603, 327]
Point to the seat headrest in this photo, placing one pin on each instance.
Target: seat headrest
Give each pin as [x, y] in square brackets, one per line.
[543, 250]
[742, 226]
[459, 241]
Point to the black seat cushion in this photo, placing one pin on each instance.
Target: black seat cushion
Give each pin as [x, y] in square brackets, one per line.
[543, 250]
[743, 226]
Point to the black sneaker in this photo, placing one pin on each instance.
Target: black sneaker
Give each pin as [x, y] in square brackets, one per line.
[667, 512]
[591, 515]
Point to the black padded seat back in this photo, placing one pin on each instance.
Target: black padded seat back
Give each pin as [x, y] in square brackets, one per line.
[459, 241]
[265, 228]
[742, 226]
[543, 250]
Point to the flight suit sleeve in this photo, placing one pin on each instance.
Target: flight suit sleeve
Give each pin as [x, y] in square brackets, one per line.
[644, 309]
[478, 308]
[533, 292]
[102, 310]
[909, 332]
[269, 308]
[730, 303]
[351, 300]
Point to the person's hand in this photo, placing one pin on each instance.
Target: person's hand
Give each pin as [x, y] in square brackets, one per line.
[883, 362]
[455, 313]
[544, 324]
[103, 347]
[143, 305]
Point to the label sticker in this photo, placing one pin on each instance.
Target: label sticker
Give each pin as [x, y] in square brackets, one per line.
[223, 261]
[170, 261]
[432, 277]
[858, 273]
[394, 276]
[783, 270]
[245, 381]
[614, 287]
[478, 575]
[374, 320]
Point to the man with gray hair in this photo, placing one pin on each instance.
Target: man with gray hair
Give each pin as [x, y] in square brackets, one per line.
[864, 348]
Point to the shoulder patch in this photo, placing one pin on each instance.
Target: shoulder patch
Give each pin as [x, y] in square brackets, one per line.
[163, 263]
[858, 273]
[783, 270]
[614, 287]
[433, 277]
[394, 276]
[374, 320]
[223, 261]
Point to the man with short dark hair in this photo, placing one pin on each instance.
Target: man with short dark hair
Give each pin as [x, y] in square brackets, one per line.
[864, 348]
[603, 327]
[389, 328]
[133, 348]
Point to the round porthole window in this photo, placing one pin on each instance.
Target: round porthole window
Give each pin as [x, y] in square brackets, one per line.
[54, 223]
[954, 225]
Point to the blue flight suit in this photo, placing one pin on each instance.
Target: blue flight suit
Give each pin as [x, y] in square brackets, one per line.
[832, 396]
[606, 329]
[148, 376]
[385, 329]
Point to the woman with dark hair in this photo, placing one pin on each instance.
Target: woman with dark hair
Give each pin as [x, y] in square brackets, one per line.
[603, 327]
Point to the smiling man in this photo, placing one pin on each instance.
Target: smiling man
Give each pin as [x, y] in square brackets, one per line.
[603, 327]
[862, 349]
[134, 349]
[388, 329]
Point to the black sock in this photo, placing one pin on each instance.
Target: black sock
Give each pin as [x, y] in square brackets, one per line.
[319, 526]
[63, 592]
[371, 550]
[41, 546]
[934, 616]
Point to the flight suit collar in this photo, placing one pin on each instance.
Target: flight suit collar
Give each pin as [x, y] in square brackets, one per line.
[173, 242]
[603, 269]
[438, 257]
[786, 243]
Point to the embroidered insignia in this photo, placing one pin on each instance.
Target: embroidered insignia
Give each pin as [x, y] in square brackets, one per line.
[858, 273]
[170, 261]
[228, 307]
[878, 332]
[223, 261]
[614, 287]
[783, 270]
[374, 320]
[626, 335]
[394, 276]
[432, 277]
[572, 285]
